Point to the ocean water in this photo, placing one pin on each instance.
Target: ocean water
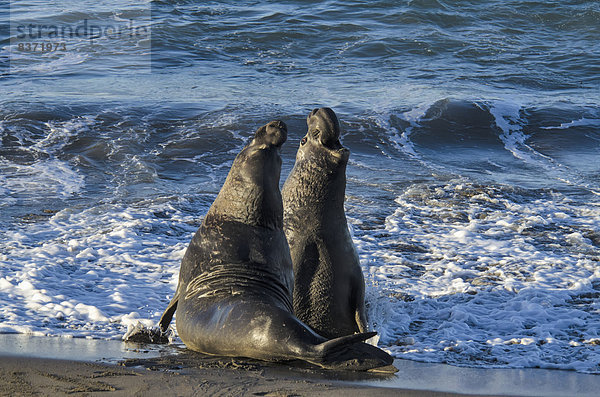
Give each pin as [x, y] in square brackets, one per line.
[473, 190]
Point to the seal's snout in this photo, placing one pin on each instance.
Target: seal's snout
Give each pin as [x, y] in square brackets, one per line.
[323, 123]
[274, 133]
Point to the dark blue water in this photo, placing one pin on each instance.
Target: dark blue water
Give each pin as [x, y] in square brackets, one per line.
[473, 186]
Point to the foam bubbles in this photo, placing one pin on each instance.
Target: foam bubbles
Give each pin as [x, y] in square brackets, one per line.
[51, 177]
[92, 272]
[486, 276]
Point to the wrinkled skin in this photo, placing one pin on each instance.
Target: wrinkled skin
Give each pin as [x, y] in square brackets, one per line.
[329, 286]
[236, 277]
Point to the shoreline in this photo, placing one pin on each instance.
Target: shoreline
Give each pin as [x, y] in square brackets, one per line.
[26, 376]
[31, 365]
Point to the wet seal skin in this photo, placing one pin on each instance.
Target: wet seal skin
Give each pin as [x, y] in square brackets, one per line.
[329, 288]
[234, 296]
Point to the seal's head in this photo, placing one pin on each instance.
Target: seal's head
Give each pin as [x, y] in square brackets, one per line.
[271, 134]
[316, 185]
[260, 160]
[323, 136]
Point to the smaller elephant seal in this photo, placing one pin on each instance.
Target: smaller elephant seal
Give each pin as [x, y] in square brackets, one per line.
[329, 288]
[234, 295]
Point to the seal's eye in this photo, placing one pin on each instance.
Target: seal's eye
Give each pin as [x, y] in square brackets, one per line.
[303, 141]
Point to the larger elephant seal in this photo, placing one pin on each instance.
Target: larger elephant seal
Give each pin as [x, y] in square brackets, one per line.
[329, 288]
[234, 293]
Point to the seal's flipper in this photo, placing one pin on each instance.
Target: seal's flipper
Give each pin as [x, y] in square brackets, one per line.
[167, 315]
[343, 342]
[147, 335]
[361, 319]
[360, 314]
[350, 353]
[141, 334]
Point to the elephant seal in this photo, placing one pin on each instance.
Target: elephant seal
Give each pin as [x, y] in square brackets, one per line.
[234, 294]
[329, 288]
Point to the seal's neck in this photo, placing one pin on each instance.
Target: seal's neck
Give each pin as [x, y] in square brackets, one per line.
[315, 185]
[251, 194]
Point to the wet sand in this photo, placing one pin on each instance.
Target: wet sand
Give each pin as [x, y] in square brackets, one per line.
[26, 376]
[33, 366]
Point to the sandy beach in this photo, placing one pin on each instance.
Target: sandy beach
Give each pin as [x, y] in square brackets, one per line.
[26, 376]
[33, 366]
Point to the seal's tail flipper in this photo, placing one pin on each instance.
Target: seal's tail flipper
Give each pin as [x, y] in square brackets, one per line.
[351, 353]
[167, 315]
[343, 342]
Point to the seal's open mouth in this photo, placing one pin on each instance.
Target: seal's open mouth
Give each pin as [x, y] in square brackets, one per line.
[331, 145]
